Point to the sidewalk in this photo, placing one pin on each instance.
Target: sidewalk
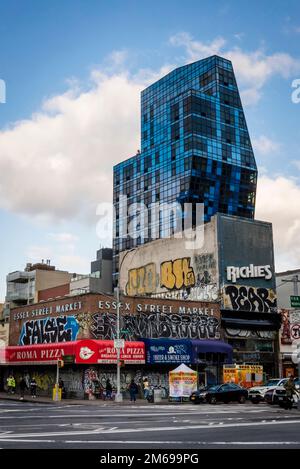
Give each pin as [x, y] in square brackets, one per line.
[97, 402]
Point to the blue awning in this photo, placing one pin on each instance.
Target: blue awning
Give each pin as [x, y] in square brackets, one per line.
[213, 346]
[184, 350]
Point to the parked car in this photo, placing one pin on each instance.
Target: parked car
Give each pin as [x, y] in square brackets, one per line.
[220, 393]
[256, 394]
[280, 394]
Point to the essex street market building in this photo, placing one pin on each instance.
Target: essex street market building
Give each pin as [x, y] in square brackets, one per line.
[82, 328]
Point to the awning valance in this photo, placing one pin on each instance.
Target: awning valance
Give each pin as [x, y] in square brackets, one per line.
[84, 351]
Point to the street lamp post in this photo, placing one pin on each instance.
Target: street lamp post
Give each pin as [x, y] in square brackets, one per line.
[119, 396]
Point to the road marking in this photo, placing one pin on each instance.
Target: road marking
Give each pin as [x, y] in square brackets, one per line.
[150, 429]
[206, 443]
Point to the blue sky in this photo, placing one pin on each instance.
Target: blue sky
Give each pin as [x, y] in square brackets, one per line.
[73, 72]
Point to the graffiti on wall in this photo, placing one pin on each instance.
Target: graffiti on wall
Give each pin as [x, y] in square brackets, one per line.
[156, 325]
[184, 278]
[290, 328]
[244, 298]
[177, 274]
[49, 330]
[245, 333]
[142, 281]
[95, 380]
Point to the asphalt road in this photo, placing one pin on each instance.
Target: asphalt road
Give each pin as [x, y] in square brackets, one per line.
[26, 425]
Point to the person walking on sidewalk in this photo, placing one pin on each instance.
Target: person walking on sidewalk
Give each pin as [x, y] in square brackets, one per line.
[11, 384]
[33, 387]
[23, 386]
[146, 388]
[133, 390]
[108, 390]
[290, 391]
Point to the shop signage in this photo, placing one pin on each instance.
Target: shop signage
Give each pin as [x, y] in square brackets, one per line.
[164, 352]
[119, 343]
[250, 271]
[46, 353]
[85, 351]
[103, 351]
[132, 353]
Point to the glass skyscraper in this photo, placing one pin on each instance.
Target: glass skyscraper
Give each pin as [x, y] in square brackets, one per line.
[195, 147]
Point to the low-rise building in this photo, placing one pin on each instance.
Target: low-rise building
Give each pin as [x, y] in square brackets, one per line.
[288, 288]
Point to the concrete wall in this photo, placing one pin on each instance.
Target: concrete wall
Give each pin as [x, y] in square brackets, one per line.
[241, 243]
[48, 279]
[167, 268]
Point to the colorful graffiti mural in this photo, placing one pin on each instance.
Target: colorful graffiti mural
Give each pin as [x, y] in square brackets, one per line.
[186, 278]
[49, 330]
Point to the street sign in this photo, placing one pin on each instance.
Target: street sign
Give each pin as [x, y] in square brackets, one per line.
[295, 301]
[69, 359]
[119, 343]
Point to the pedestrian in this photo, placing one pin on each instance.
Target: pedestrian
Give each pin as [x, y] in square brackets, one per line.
[290, 391]
[201, 385]
[133, 390]
[61, 386]
[33, 387]
[11, 384]
[108, 390]
[146, 388]
[23, 386]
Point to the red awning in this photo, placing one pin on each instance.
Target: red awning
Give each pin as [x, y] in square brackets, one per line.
[85, 351]
[39, 354]
[103, 351]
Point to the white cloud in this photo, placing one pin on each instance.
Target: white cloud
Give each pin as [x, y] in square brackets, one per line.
[62, 250]
[58, 164]
[278, 202]
[264, 145]
[253, 69]
[63, 237]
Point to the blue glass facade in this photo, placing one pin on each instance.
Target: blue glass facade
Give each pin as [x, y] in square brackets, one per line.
[195, 147]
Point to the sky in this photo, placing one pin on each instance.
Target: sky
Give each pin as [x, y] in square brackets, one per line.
[73, 72]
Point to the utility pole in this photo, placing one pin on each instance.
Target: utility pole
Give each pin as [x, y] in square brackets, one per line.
[119, 396]
[56, 397]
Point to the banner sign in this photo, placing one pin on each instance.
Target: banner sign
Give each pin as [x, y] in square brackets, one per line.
[84, 351]
[168, 351]
[103, 351]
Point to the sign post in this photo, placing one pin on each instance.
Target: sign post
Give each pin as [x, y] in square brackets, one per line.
[295, 301]
[119, 397]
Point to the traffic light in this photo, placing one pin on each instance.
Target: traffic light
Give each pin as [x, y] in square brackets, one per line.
[60, 363]
[121, 363]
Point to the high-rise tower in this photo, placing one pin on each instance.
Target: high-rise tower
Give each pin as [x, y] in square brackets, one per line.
[195, 147]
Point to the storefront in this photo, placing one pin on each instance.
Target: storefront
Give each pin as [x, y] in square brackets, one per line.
[207, 357]
[93, 317]
[87, 365]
